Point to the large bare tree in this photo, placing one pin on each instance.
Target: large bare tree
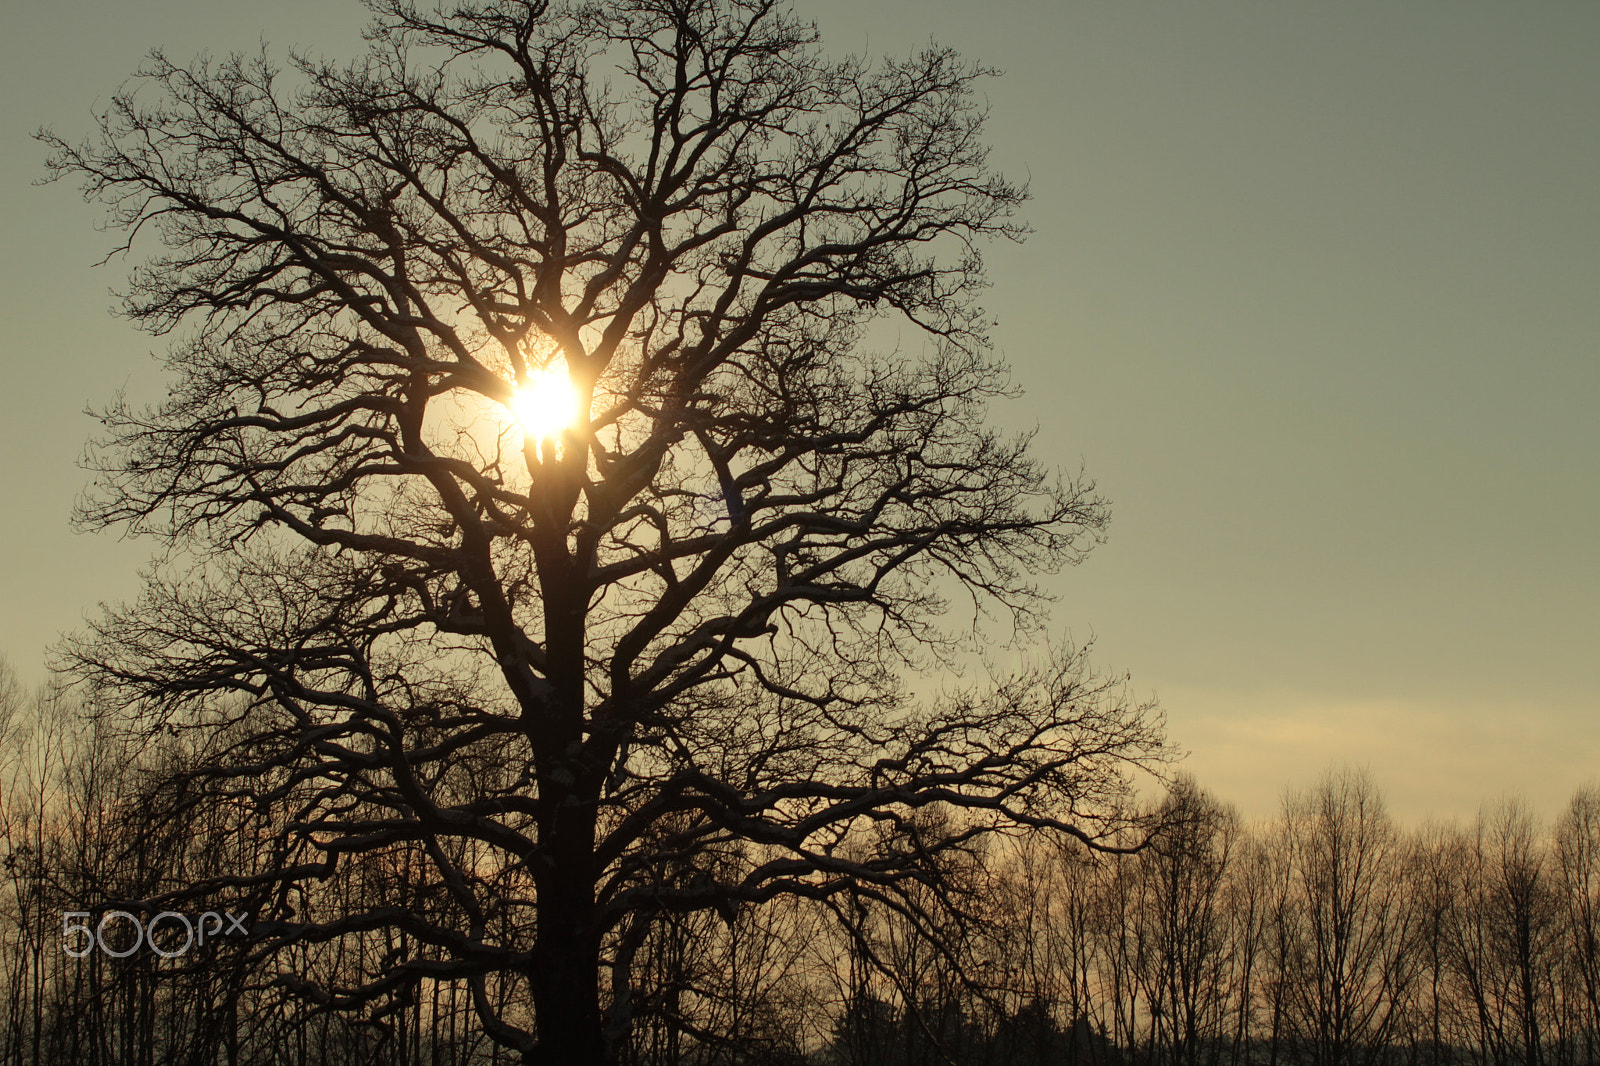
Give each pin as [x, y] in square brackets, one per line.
[641, 655]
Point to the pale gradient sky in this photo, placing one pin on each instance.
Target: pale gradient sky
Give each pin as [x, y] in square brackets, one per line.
[1314, 294]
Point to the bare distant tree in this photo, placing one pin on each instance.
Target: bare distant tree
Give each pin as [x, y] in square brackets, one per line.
[1250, 907]
[641, 666]
[1577, 851]
[1184, 878]
[1507, 933]
[1348, 955]
[1437, 867]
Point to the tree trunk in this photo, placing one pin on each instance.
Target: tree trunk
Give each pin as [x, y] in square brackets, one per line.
[564, 972]
[565, 969]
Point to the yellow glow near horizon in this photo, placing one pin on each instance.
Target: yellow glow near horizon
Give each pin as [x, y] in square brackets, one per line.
[547, 404]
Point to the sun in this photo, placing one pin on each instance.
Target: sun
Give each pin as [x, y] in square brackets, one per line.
[547, 404]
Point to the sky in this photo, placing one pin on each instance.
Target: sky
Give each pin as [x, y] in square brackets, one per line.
[1313, 294]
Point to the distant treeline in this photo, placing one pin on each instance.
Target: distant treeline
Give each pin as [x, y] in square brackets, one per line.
[1328, 937]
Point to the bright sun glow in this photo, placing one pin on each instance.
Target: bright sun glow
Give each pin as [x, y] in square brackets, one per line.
[547, 404]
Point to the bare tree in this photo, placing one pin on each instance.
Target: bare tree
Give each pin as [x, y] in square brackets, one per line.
[557, 668]
[1506, 935]
[1347, 955]
[1249, 904]
[1577, 851]
[1435, 871]
[1184, 877]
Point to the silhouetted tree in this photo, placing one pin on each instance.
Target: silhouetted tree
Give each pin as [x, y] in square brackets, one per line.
[1347, 956]
[1183, 878]
[1435, 874]
[1506, 935]
[1577, 851]
[540, 692]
